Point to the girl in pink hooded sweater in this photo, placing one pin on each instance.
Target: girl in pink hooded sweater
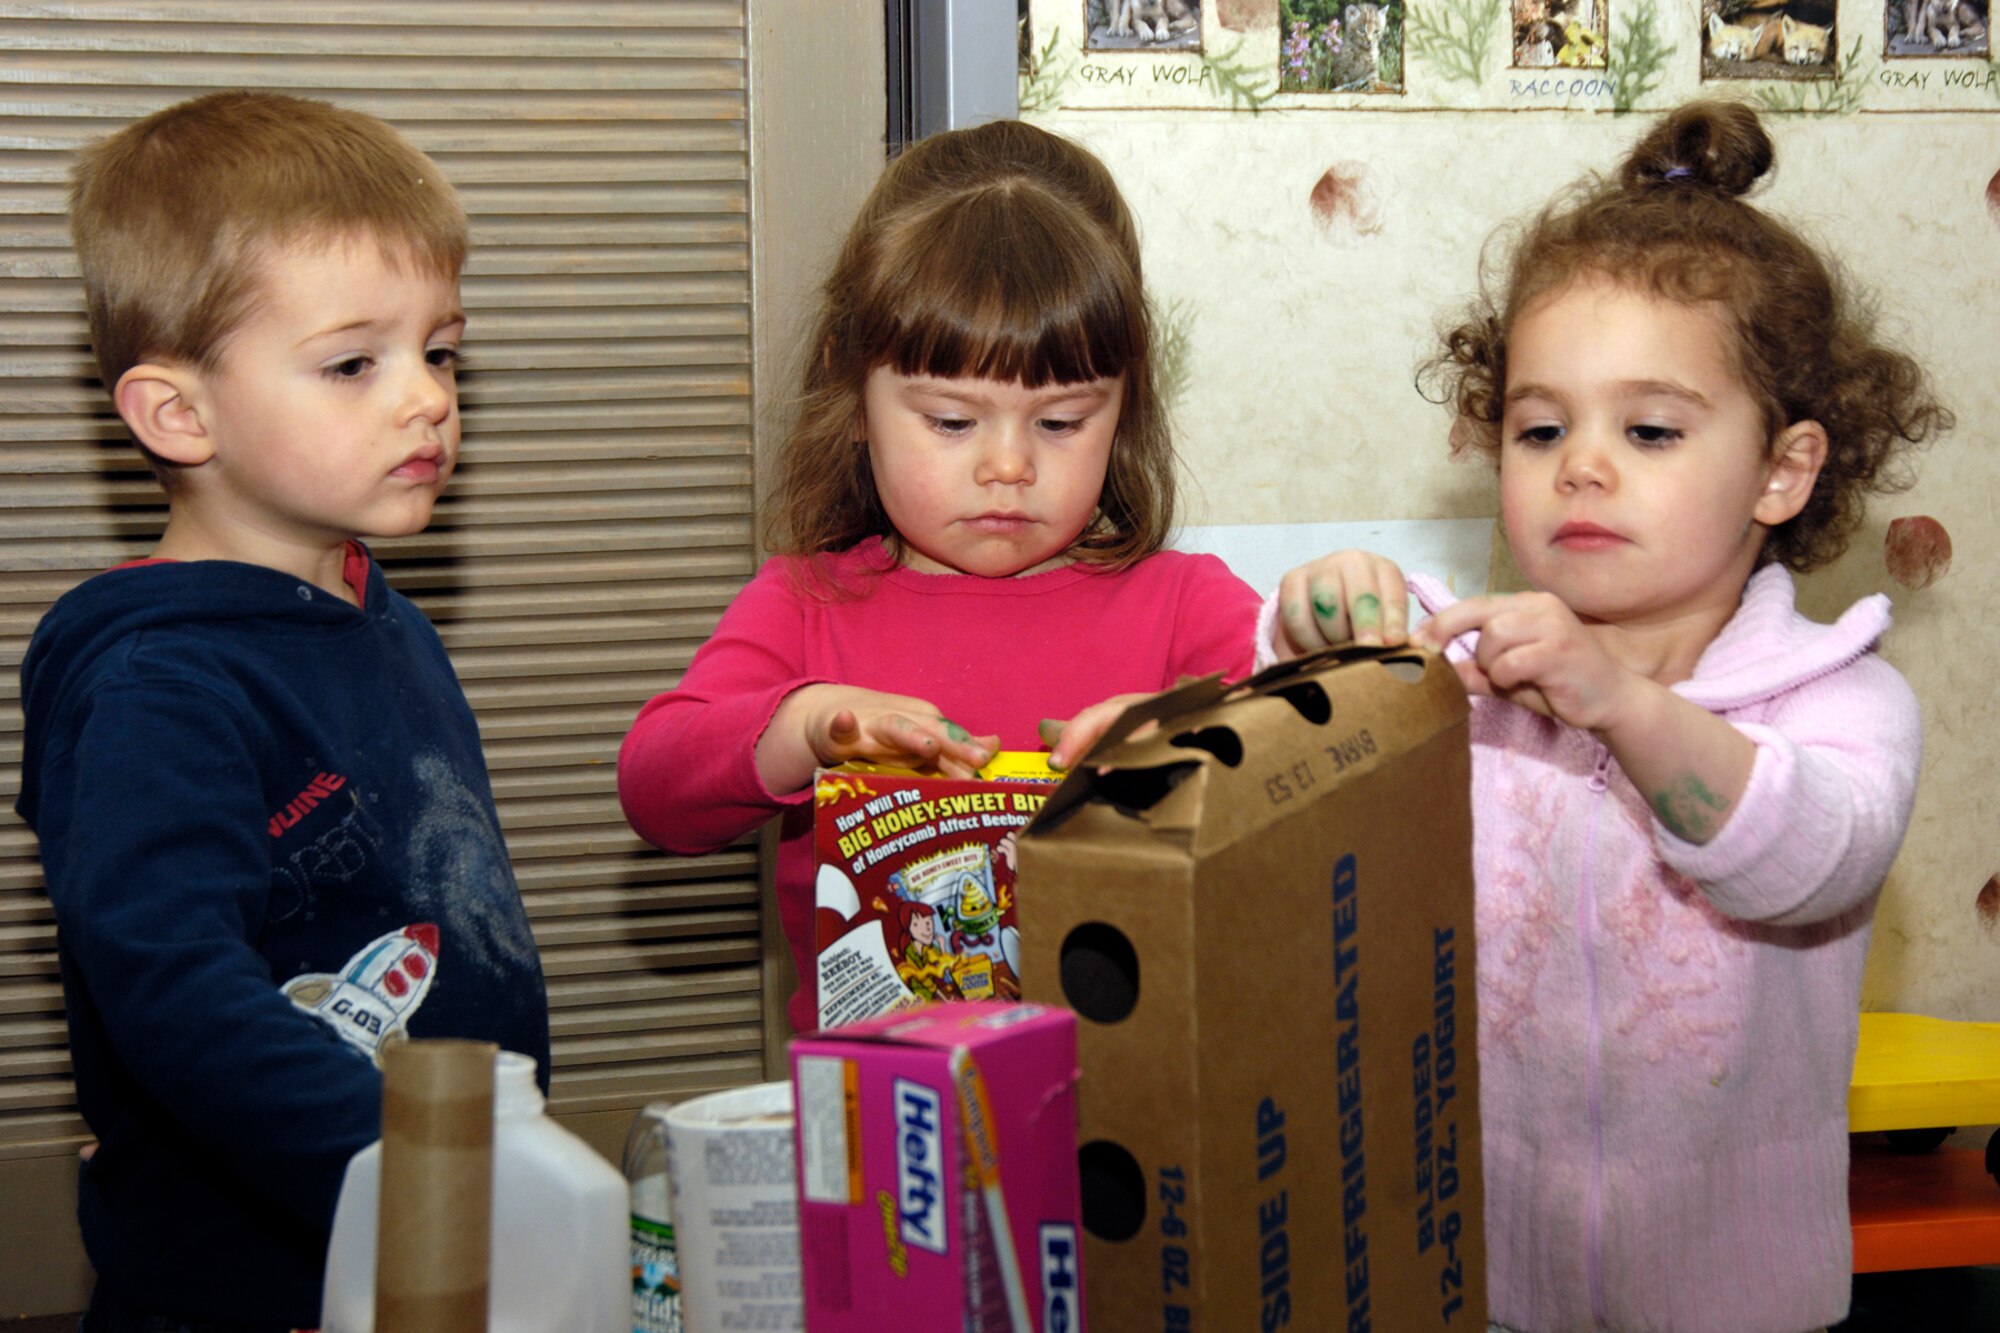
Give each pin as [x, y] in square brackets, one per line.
[1686, 795]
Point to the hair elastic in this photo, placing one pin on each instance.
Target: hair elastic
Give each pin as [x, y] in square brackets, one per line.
[1677, 174]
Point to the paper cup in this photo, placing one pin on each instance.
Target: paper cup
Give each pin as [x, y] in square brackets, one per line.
[736, 1212]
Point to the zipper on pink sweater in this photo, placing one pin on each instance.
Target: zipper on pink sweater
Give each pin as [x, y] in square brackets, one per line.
[1600, 782]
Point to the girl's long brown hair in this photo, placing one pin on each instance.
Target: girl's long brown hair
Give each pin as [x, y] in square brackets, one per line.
[1674, 222]
[1001, 252]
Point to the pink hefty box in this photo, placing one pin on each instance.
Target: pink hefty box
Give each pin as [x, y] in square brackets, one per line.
[938, 1172]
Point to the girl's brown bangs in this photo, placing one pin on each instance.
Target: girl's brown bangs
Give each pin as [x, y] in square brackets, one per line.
[1022, 296]
[1063, 347]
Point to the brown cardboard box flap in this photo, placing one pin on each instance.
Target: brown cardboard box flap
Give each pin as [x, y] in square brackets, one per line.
[1332, 701]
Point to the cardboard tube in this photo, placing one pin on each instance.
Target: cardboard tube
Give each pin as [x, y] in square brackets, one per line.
[433, 1240]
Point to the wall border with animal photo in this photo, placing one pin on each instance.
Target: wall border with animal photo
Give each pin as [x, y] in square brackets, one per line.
[1808, 57]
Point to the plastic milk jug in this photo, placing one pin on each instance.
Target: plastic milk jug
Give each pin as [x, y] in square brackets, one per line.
[656, 1274]
[560, 1216]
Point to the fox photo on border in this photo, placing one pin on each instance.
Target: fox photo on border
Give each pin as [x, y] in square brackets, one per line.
[1340, 46]
[1936, 27]
[1768, 39]
[1142, 25]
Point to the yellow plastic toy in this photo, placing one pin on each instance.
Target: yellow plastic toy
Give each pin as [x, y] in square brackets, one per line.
[1916, 1077]
[1916, 1073]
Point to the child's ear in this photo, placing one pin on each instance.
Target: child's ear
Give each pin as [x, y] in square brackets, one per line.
[160, 404]
[1797, 456]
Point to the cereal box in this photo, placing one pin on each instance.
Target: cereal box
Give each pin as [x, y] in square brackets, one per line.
[915, 884]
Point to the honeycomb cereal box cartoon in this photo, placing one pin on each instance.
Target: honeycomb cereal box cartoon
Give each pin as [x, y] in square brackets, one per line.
[915, 887]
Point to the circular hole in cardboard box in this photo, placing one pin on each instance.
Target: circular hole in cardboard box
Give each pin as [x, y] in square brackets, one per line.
[1114, 1190]
[1100, 972]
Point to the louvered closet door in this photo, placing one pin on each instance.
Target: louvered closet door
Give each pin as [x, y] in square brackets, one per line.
[602, 516]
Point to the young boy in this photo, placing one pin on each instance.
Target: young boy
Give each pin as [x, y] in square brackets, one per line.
[264, 815]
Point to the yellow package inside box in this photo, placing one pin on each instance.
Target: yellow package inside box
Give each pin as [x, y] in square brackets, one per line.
[1261, 910]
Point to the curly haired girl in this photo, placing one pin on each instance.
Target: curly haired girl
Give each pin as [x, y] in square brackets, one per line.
[1686, 795]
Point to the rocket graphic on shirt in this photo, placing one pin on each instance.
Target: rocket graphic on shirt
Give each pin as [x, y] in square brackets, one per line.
[369, 1002]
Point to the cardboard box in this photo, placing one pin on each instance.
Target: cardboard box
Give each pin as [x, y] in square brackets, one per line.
[915, 884]
[1262, 912]
[937, 1172]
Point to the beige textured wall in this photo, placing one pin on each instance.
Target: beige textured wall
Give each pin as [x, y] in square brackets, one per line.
[818, 117]
[1297, 401]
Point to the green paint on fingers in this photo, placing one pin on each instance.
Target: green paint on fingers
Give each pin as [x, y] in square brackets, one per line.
[953, 730]
[1367, 611]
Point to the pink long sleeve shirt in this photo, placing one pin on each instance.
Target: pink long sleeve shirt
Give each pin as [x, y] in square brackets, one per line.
[1667, 1030]
[994, 655]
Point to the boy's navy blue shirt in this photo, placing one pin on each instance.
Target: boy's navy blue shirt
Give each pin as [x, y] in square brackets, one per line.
[270, 842]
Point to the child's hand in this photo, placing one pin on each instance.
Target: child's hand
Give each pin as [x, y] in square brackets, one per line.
[1534, 652]
[1349, 595]
[1070, 741]
[843, 722]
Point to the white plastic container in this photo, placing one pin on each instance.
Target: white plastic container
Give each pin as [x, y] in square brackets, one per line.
[561, 1239]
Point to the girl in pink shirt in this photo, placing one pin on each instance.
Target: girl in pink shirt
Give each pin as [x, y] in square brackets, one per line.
[1686, 794]
[969, 516]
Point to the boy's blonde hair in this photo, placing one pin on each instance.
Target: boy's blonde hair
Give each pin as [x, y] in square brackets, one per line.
[172, 215]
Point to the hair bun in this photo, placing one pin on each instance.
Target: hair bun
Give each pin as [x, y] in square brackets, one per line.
[1715, 146]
